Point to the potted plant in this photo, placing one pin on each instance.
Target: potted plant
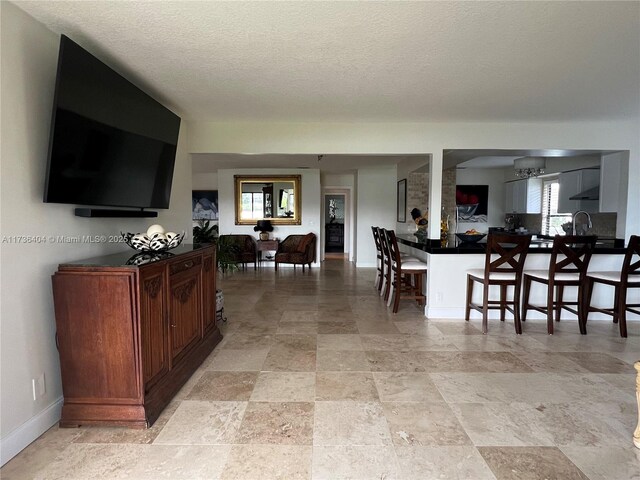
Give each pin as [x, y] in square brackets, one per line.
[226, 255]
[204, 232]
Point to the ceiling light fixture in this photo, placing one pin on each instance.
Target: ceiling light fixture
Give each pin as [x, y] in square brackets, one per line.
[527, 167]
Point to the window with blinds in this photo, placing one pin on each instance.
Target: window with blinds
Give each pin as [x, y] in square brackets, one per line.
[552, 220]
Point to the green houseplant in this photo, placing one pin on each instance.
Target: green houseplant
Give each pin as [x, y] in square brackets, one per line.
[204, 232]
[227, 251]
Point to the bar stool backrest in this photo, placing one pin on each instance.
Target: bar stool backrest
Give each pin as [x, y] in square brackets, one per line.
[506, 253]
[629, 267]
[376, 239]
[392, 244]
[571, 254]
[384, 246]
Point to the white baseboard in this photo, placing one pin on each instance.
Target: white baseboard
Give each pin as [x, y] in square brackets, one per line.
[365, 265]
[26, 433]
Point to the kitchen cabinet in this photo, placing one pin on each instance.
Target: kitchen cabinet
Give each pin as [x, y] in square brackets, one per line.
[611, 187]
[129, 336]
[523, 196]
[574, 182]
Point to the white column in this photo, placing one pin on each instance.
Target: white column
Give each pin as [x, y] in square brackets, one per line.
[435, 193]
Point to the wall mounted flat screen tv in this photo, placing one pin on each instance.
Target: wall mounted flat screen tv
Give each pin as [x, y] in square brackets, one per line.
[111, 144]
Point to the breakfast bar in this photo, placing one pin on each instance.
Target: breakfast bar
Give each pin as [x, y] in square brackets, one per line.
[449, 260]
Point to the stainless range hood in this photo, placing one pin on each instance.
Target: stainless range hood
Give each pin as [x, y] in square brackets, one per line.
[588, 194]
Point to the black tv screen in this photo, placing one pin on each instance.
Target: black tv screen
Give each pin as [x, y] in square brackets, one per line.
[111, 144]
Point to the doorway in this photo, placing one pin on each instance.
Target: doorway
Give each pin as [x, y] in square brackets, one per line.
[335, 215]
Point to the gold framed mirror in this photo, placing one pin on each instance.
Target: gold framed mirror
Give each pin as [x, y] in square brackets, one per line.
[268, 197]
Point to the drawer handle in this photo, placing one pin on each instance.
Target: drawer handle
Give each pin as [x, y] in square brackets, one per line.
[188, 264]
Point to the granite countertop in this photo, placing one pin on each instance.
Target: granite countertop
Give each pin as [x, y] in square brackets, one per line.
[453, 245]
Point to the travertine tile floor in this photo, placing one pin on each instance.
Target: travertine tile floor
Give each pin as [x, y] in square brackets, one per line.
[316, 379]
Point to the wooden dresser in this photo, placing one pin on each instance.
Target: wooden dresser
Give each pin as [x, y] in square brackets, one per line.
[131, 330]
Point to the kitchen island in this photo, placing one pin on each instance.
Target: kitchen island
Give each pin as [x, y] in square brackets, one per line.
[449, 261]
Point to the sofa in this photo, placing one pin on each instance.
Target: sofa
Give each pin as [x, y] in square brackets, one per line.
[298, 250]
[242, 249]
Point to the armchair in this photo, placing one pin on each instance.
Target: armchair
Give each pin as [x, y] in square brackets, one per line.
[244, 248]
[298, 250]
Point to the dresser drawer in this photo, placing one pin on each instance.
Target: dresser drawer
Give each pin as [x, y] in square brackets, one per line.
[185, 264]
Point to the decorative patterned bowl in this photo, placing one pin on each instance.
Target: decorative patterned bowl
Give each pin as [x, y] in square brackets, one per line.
[470, 238]
[156, 243]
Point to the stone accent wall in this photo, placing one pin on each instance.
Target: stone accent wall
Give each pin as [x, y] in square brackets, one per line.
[449, 194]
[417, 193]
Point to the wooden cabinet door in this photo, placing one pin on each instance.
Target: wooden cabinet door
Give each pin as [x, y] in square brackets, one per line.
[209, 289]
[153, 325]
[184, 304]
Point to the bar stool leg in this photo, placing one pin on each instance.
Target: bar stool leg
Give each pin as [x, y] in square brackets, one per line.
[516, 308]
[485, 309]
[422, 299]
[550, 291]
[467, 309]
[587, 302]
[503, 301]
[616, 303]
[525, 297]
[622, 311]
[398, 293]
[559, 300]
[583, 309]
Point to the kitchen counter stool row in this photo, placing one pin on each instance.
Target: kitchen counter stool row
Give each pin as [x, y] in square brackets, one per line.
[398, 276]
[568, 267]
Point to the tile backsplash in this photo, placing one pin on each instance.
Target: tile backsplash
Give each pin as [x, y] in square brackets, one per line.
[604, 224]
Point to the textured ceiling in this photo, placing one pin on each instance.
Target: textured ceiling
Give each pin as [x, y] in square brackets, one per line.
[368, 61]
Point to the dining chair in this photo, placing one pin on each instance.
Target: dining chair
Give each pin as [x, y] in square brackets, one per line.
[621, 281]
[504, 261]
[405, 275]
[570, 257]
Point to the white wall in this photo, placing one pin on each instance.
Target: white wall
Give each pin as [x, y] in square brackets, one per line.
[334, 180]
[204, 181]
[28, 64]
[311, 203]
[422, 138]
[376, 206]
[493, 177]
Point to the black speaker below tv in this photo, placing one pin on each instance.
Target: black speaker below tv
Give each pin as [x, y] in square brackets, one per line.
[111, 144]
[112, 213]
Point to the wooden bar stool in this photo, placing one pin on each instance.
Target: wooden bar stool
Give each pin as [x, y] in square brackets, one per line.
[387, 262]
[405, 275]
[503, 266]
[570, 257]
[379, 259]
[628, 277]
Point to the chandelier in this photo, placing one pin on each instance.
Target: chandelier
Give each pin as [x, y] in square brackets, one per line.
[527, 167]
